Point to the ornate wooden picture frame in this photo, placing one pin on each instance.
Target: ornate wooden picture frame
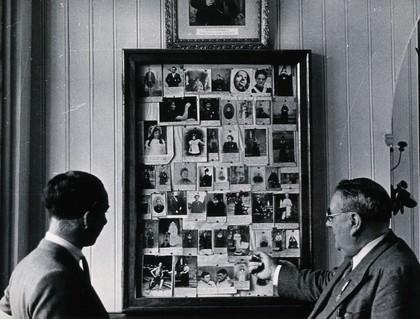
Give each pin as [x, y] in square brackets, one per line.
[234, 24]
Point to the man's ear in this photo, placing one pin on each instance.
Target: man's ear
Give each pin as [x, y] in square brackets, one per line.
[356, 223]
[87, 219]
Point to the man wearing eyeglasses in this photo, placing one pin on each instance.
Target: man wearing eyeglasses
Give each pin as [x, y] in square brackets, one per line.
[380, 276]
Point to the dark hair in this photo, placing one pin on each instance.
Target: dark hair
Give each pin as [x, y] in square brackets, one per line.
[183, 169]
[222, 271]
[263, 72]
[70, 195]
[204, 273]
[369, 199]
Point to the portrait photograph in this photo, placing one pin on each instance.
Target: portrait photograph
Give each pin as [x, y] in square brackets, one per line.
[239, 175]
[284, 111]
[151, 233]
[272, 177]
[184, 176]
[263, 112]
[262, 240]
[284, 147]
[257, 174]
[220, 239]
[170, 234]
[190, 240]
[217, 12]
[197, 204]
[255, 142]
[159, 208]
[205, 239]
[262, 81]
[150, 80]
[284, 81]
[177, 203]
[278, 239]
[228, 109]
[185, 276]
[292, 242]
[195, 144]
[238, 204]
[241, 81]
[213, 142]
[238, 240]
[245, 112]
[230, 145]
[205, 175]
[147, 177]
[286, 207]
[163, 177]
[198, 81]
[289, 177]
[210, 111]
[155, 142]
[242, 275]
[220, 80]
[216, 206]
[179, 111]
[262, 208]
[157, 276]
[174, 83]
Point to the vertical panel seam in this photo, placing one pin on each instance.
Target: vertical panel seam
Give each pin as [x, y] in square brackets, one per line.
[91, 101]
[300, 24]
[138, 24]
[67, 83]
[347, 57]
[116, 140]
[371, 113]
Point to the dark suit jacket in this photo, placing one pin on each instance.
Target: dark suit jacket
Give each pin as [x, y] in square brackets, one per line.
[49, 283]
[385, 285]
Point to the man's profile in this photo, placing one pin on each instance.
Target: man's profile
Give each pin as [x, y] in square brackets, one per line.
[49, 282]
[380, 276]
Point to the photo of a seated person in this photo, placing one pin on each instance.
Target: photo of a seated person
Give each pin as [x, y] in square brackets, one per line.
[217, 12]
[178, 110]
[216, 207]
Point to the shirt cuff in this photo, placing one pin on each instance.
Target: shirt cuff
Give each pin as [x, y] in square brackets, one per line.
[275, 276]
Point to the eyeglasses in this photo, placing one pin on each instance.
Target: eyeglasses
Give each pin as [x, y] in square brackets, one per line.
[330, 217]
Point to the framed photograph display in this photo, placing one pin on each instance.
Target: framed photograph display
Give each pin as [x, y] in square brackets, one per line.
[216, 24]
[213, 174]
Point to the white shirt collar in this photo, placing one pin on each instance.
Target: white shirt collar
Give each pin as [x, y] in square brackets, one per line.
[365, 250]
[74, 250]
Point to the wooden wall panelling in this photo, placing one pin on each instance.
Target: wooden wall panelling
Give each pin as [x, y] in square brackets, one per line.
[313, 37]
[56, 69]
[290, 22]
[103, 155]
[359, 80]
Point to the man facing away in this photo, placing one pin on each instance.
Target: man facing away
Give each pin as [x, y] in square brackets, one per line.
[50, 282]
[380, 276]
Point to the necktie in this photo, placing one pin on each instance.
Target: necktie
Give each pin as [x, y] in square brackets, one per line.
[85, 268]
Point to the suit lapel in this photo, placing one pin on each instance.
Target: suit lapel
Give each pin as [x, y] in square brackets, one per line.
[355, 277]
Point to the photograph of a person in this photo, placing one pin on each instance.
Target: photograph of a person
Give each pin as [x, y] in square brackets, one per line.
[263, 112]
[238, 204]
[241, 81]
[238, 240]
[239, 175]
[147, 177]
[220, 80]
[257, 174]
[158, 204]
[229, 111]
[198, 81]
[150, 233]
[177, 203]
[190, 239]
[262, 82]
[205, 240]
[185, 271]
[262, 208]
[197, 202]
[170, 232]
[255, 142]
[209, 110]
[185, 175]
[206, 282]
[245, 112]
[220, 238]
[286, 208]
[195, 146]
[155, 139]
[157, 276]
[284, 111]
[206, 176]
[212, 140]
[284, 81]
[272, 177]
[292, 239]
[283, 147]
[291, 178]
[150, 77]
[178, 111]
[216, 206]
[217, 12]
[174, 76]
[279, 239]
[163, 173]
[230, 145]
